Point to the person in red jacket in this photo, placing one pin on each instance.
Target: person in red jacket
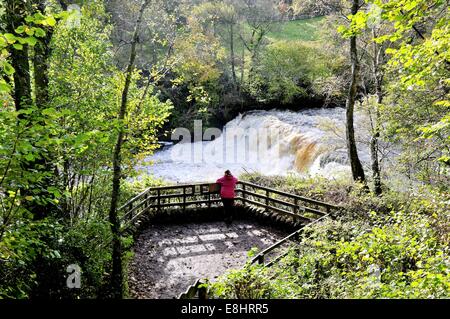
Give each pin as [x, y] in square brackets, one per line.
[228, 184]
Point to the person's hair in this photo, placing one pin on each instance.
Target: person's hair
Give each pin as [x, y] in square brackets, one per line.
[227, 172]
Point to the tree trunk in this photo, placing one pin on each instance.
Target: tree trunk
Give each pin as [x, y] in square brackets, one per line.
[16, 12]
[232, 58]
[355, 163]
[242, 65]
[378, 79]
[375, 164]
[117, 271]
[41, 64]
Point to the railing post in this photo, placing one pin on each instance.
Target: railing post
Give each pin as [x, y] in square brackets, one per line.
[158, 200]
[209, 199]
[267, 200]
[184, 198]
[243, 194]
[202, 293]
[130, 208]
[295, 206]
[146, 201]
[261, 259]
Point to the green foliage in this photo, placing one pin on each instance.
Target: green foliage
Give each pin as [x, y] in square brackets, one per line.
[248, 283]
[415, 79]
[419, 65]
[287, 70]
[424, 63]
[358, 23]
[25, 35]
[398, 253]
[20, 247]
[25, 136]
[86, 244]
[199, 57]
[69, 142]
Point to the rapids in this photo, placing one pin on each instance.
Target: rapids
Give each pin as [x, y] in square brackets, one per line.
[310, 142]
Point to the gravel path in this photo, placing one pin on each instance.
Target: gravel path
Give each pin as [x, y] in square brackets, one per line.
[170, 258]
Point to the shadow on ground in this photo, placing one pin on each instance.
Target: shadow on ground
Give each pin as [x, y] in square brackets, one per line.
[169, 258]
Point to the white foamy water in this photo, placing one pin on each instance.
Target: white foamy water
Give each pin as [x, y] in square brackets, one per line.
[310, 142]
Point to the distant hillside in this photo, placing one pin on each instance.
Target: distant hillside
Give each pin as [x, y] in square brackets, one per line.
[303, 30]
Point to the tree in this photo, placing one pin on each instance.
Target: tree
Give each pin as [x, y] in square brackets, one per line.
[421, 31]
[410, 52]
[378, 61]
[260, 16]
[374, 59]
[288, 70]
[218, 14]
[355, 163]
[82, 85]
[75, 119]
[117, 271]
[41, 60]
[16, 12]
[29, 33]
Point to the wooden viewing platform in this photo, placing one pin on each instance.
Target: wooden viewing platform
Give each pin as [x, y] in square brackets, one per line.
[299, 210]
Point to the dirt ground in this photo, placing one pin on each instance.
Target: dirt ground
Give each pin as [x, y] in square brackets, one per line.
[170, 258]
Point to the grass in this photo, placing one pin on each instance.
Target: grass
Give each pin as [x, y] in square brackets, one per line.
[298, 30]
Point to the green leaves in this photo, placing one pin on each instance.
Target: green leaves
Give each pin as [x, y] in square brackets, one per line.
[4, 87]
[25, 35]
[10, 38]
[40, 33]
[39, 19]
[20, 247]
[418, 41]
[50, 21]
[30, 157]
[358, 23]
[21, 29]
[31, 41]
[31, 31]
[8, 69]
[18, 46]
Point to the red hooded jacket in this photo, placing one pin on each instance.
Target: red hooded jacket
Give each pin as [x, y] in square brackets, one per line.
[228, 183]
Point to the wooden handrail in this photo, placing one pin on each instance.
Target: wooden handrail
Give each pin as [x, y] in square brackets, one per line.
[261, 256]
[161, 196]
[281, 202]
[294, 196]
[193, 290]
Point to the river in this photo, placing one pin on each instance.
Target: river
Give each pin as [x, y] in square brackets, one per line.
[308, 143]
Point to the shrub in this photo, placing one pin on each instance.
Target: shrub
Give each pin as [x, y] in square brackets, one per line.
[395, 246]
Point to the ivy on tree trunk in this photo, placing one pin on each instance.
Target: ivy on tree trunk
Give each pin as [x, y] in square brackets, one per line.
[355, 163]
[16, 12]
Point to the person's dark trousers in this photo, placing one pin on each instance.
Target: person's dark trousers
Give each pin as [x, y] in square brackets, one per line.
[228, 209]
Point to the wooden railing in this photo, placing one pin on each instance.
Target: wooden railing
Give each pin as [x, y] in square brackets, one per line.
[203, 195]
[183, 196]
[261, 257]
[179, 196]
[195, 291]
[287, 204]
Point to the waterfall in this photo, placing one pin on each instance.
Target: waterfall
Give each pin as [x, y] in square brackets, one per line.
[310, 142]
